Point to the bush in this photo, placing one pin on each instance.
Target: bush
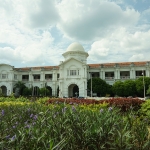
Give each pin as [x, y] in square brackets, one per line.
[67, 125]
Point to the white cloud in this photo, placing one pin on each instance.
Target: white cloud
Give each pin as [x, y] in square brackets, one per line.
[115, 33]
[86, 20]
[138, 57]
[121, 46]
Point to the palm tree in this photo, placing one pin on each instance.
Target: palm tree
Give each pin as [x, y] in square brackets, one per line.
[19, 86]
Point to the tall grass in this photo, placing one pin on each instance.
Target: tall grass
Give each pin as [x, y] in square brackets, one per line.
[70, 127]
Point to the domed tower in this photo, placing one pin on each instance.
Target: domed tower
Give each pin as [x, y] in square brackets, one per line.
[73, 72]
[76, 50]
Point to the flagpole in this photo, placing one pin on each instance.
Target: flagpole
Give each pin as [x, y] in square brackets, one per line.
[143, 83]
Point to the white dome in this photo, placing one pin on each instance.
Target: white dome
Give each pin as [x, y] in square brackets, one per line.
[75, 47]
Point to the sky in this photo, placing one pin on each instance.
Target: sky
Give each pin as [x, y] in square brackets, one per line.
[38, 32]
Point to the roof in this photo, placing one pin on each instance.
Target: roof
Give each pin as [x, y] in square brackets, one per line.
[121, 64]
[75, 47]
[36, 68]
[104, 65]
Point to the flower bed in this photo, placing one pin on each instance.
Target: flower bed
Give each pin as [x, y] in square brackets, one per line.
[66, 124]
[123, 103]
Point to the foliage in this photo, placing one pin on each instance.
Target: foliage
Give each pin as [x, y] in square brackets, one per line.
[129, 88]
[99, 86]
[20, 86]
[148, 91]
[67, 125]
[27, 91]
[44, 91]
[140, 85]
[118, 88]
[62, 126]
[1, 94]
[145, 110]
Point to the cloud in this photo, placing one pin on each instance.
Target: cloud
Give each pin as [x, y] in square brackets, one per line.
[121, 46]
[37, 32]
[39, 13]
[87, 20]
[138, 57]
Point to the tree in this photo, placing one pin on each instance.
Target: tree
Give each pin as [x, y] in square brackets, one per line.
[118, 88]
[19, 86]
[129, 88]
[99, 86]
[148, 91]
[1, 94]
[27, 91]
[44, 91]
[140, 85]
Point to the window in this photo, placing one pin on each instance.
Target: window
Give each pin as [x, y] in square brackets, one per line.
[15, 76]
[4, 76]
[72, 72]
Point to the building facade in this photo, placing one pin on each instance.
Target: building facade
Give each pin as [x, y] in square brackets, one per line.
[69, 78]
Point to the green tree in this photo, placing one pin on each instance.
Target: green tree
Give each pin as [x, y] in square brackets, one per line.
[99, 86]
[140, 83]
[118, 88]
[44, 91]
[27, 91]
[129, 88]
[148, 91]
[19, 86]
[1, 94]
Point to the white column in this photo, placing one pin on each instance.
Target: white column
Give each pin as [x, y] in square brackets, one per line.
[147, 72]
[42, 76]
[131, 76]
[118, 74]
[30, 77]
[53, 89]
[133, 73]
[103, 74]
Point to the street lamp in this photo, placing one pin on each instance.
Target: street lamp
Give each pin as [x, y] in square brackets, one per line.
[143, 83]
[91, 84]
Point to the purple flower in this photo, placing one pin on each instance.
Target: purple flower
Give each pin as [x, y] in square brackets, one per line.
[64, 109]
[14, 126]
[31, 115]
[26, 122]
[101, 110]
[3, 112]
[27, 126]
[35, 117]
[7, 137]
[73, 109]
[33, 123]
[13, 138]
[110, 108]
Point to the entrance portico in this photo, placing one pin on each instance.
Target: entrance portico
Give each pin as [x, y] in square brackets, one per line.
[73, 90]
[73, 72]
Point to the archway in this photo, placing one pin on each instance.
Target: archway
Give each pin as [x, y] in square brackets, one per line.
[73, 90]
[49, 93]
[35, 91]
[4, 90]
[58, 91]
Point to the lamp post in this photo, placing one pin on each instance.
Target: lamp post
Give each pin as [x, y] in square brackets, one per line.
[91, 84]
[143, 83]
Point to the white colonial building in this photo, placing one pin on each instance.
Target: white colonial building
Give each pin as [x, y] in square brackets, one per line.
[70, 77]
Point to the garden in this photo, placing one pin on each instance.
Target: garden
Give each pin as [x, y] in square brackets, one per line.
[74, 124]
